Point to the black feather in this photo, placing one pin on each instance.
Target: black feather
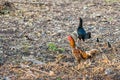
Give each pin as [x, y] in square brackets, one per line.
[97, 40]
[81, 31]
[109, 45]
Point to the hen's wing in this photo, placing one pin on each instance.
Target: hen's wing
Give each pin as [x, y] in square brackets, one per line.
[84, 55]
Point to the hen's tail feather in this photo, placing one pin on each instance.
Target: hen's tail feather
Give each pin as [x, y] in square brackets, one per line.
[88, 54]
[88, 35]
[92, 52]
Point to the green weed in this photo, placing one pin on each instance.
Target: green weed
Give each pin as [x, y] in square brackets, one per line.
[58, 78]
[54, 47]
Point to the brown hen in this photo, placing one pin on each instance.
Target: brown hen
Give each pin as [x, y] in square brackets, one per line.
[78, 53]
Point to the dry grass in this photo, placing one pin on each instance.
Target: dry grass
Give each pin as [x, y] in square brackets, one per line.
[27, 30]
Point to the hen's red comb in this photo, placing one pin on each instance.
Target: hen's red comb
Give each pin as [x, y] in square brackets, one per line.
[69, 37]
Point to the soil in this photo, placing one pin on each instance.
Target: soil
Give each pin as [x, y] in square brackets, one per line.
[33, 43]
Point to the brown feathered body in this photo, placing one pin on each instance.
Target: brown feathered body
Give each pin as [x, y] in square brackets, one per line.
[78, 53]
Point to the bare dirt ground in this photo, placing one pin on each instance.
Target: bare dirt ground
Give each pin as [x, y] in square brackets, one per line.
[33, 43]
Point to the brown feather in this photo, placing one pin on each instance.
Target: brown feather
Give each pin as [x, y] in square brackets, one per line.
[78, 53]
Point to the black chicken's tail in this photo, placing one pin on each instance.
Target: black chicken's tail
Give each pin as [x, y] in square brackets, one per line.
[88, 35]
[81, 22]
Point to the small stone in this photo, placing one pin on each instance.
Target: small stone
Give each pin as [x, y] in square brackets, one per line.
[1, 61]
[108, 71]
[6, 78]
[85, 7]
[51, 73]
[33, 60]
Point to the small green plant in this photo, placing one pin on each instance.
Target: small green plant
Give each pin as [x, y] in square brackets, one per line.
[25, 47]
[58, 78]
[54, 47]
[4, 11]
[110, 19]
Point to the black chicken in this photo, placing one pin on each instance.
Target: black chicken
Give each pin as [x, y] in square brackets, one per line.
[81, 32]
